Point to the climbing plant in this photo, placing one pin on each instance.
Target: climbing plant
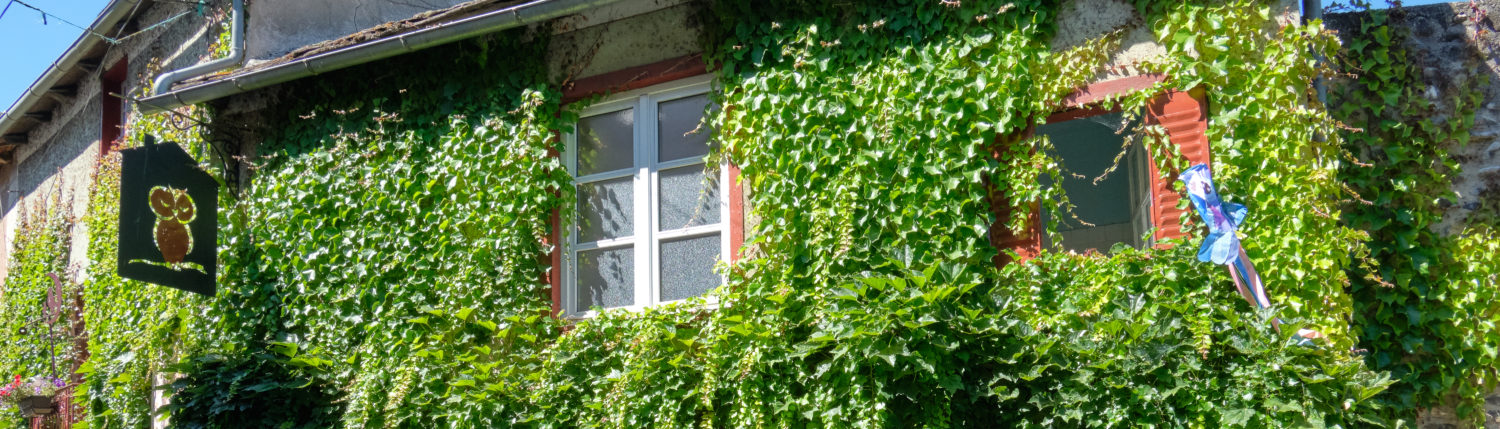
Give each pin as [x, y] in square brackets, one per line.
[1425, 300]
[39, 337]
[385, 266]
[136, 331]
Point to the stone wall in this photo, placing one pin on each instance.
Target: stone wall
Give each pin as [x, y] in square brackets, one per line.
[276, 27]
[1456, 45]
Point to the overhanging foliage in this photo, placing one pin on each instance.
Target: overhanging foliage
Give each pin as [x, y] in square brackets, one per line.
[385, 266]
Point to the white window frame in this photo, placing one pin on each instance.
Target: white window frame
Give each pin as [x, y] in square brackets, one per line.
[647, 237]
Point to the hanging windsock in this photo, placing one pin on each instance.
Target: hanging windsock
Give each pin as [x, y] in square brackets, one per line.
[1222, 246]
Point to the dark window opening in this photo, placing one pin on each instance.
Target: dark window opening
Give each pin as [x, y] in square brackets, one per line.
[1109, 207]
[111, 89]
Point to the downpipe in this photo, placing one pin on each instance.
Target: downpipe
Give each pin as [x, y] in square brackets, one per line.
[164, 82]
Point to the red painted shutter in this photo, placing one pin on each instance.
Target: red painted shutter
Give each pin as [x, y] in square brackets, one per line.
[553, 258]
[1027, 244]
[1185, 117]
[736, 214]
[111, 82]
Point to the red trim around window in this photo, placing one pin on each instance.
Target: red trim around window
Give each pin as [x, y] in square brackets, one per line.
[111, 82]
[554, 260]
[1092, 94]
[635, 77]
[736, 214]
[625, 80]
[1183, 114]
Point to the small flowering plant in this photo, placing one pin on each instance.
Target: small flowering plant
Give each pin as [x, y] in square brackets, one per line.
[18, 389]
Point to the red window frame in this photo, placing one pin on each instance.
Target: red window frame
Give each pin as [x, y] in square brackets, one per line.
[625, 80]
[111, 130]
[1184, 115]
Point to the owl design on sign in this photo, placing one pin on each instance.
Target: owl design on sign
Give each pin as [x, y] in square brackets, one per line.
[174, 210]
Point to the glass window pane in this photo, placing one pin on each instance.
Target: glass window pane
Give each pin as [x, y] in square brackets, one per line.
[677, 126]
[1104, 210]
[686, 199]
[606, 277]
[605, 209]
[687, 267]
[606, 142]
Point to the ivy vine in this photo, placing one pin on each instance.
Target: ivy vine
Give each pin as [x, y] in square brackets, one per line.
[385, 266]
[1425, 302]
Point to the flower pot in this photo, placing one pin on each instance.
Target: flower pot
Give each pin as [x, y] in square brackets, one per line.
[36, 405]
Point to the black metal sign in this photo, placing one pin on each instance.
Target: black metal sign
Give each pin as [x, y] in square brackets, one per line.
[168, 219]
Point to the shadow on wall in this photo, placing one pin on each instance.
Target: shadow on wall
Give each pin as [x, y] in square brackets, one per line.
[55, 159]
[1457, 47]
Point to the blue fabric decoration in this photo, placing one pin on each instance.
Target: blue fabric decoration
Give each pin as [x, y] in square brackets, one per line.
[1222, 245]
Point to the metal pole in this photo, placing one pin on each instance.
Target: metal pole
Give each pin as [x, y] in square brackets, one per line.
[1313, 10]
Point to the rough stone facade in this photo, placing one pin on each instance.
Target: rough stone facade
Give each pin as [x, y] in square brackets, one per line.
[276, 27]
[1456, 46]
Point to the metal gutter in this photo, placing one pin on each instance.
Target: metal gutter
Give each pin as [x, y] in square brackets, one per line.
[115, 11]
[236, 54]
[489, 22]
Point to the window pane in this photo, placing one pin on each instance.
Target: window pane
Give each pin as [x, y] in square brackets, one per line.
[677, 124]
[605, 209]
[606, 277]
[687, 267]
[606, 142]
[686, 199]
[1104, 211]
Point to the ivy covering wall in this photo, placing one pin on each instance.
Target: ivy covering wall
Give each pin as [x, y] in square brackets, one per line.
[35, 341]
[386, 265]
[1426, 303]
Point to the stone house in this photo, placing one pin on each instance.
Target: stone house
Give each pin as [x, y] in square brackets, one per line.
[652, 221]
[600, 47]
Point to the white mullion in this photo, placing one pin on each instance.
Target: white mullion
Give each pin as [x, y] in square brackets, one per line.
[600, 177]
[679, 163]
[604, 244]
[689, 232]
[568, 276]
[645, 224]
[725, 247]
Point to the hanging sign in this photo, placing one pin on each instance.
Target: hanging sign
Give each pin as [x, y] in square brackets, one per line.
[168, 219]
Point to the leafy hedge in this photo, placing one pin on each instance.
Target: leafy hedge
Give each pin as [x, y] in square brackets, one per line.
[385, 266]
[1427, 304]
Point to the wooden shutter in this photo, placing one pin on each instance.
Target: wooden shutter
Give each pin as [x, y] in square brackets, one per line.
[736, 214]
[1027, 244]
[1185, 117]
[112, 107]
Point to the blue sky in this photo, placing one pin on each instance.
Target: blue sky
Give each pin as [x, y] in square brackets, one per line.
[29, 46]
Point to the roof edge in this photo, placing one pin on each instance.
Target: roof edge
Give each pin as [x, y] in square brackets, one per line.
[374, 50]
[115, 11]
